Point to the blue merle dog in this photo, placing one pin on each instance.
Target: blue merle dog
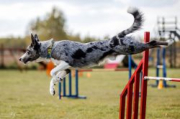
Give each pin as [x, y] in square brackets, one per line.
[66, 54]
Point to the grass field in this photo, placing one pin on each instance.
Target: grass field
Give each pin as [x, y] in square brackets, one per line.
[26, 96]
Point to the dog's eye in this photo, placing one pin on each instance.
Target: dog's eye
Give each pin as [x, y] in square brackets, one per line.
[28, 52]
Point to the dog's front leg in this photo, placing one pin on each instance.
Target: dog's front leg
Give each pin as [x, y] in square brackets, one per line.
[58, 77]
[52, 85]
[55, 77]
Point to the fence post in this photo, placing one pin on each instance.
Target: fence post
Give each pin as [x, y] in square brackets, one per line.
[2, 55]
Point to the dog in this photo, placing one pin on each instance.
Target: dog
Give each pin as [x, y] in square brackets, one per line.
[66, 54]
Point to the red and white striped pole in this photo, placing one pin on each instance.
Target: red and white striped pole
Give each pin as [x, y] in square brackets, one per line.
[162, 78]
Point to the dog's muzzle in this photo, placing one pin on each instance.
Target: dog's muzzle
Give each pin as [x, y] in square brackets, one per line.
[24, 61]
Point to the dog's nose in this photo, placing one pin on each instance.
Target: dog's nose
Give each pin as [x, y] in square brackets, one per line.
[20, 59]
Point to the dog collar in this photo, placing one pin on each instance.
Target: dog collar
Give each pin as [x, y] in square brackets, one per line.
[49, 50]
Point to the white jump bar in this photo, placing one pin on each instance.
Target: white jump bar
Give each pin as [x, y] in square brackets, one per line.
[161, 78]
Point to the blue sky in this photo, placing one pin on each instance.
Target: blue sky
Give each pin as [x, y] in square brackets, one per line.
[87, 17]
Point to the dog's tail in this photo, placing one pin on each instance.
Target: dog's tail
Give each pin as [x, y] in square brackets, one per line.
[156, 44]
[138, 21]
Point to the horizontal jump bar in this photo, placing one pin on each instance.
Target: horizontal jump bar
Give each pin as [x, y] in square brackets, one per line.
[102, 70]
[162, 78]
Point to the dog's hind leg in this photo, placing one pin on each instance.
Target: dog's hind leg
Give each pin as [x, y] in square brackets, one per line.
[62, 70]
[61, 75]
[62, 66]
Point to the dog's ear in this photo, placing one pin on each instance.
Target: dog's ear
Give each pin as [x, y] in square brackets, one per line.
[34, 40]
[36, 37]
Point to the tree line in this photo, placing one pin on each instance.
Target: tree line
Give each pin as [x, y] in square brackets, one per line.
[52, 25]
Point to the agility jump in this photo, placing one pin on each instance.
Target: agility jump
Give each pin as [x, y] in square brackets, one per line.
[63, 85]
[130, 97]
[163, 67]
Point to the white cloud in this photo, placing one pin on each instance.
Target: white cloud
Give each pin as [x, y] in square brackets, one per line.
[148, 3]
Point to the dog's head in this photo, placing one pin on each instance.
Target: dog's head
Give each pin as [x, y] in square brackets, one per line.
[33, 51]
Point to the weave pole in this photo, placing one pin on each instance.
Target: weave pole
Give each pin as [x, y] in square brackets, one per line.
[133, 86]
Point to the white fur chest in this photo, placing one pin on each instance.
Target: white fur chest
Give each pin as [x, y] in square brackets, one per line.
[42, 59]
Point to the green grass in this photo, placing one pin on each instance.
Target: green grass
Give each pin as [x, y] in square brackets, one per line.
[26, 96]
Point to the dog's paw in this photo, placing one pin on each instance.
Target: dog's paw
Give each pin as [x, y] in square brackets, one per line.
[52, 91]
